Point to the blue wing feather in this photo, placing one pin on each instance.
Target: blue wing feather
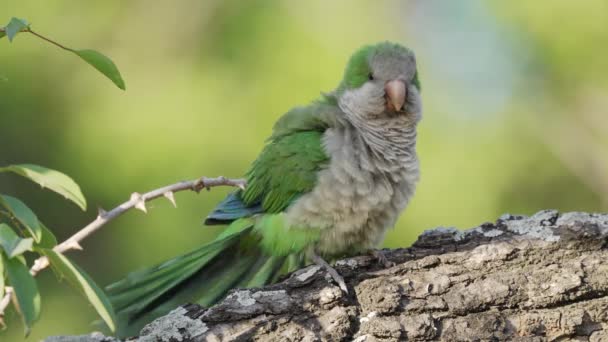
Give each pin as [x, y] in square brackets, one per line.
[232, 208]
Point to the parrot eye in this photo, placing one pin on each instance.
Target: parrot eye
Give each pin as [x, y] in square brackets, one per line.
[370, 76]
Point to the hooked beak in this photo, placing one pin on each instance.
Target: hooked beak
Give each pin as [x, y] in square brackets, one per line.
[395, 93]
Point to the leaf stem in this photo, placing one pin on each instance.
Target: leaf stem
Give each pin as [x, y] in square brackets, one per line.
[6, 213]
[48, 40]
[13, 219]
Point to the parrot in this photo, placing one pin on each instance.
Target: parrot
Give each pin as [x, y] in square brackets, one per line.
[332, 178]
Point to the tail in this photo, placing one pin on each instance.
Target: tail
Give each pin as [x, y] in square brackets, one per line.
[202, 276]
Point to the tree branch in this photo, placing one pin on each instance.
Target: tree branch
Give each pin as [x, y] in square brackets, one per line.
[8, 291]
[137, 201]
[537, 278]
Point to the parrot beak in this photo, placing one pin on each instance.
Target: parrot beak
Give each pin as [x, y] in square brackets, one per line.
[395, 93]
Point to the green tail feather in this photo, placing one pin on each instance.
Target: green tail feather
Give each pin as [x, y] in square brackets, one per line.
[202, 276]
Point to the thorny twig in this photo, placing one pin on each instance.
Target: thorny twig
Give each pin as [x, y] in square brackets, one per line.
[137, 201]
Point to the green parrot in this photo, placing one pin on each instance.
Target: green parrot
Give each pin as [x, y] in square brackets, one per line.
[332, 179]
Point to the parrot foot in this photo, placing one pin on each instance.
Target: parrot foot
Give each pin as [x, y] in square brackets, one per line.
[332, 271]
[379, 255]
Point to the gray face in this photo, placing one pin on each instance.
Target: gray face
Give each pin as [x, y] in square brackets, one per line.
[378, 94]
[392, 65]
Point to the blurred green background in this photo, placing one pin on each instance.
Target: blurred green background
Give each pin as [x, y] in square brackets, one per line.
[514, 121]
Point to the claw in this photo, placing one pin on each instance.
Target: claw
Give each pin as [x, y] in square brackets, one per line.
[332, 271]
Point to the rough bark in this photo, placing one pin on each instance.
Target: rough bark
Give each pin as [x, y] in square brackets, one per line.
[538, 278]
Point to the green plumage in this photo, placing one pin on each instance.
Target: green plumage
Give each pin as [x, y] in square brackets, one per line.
[357, 69]
[251, 251]
[259, 244]
[283, 156]
[313, 118]
[278, 239]
[136, 298]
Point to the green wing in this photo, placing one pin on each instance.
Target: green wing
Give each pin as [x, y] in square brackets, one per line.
[289, 164]
[286, 168]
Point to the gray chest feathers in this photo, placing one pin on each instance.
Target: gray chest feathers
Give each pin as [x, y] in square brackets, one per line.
[370, 178]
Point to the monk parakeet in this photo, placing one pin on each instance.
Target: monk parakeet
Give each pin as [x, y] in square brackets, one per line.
[332, 178]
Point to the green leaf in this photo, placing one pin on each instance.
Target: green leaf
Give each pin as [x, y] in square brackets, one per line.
[103, 64]
[54, 180]
[2, 34]
[48, 239]
[23, 214]
[12, 244]
[78, 278]
[15, 26]
[26, 291]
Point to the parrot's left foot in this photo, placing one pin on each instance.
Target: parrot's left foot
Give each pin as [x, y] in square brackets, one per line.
[379, 255]
[332, 271]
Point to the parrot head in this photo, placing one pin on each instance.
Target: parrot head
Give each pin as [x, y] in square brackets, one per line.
[380, 79]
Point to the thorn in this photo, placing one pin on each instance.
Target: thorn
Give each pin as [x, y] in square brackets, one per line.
[140, 202]
[101, 213]
[171, 198]
[141, 205]
[74, 245]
